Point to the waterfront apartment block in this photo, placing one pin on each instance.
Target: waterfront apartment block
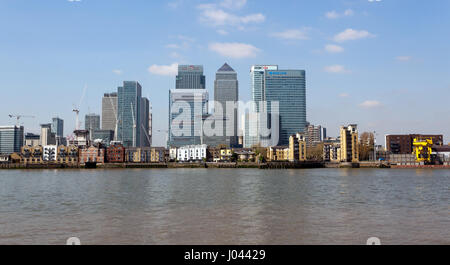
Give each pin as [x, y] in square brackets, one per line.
[192, 153]
[403, 143]
[297, 147]
[278, 153]
[11, 139]
[349, 144]
[115, 153]
[92, 154]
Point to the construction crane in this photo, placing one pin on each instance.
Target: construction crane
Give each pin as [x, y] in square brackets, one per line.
[423, 149]
[134, 126]
[18, 117]
[76, 109]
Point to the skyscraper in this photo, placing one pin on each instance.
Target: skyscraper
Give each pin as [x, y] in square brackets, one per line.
[190, 77]
[288, 88]
[58, 127]
[188, 104]
[226, 92]
[129, 106]
[47, 136]
[11, 139]
[92, 122]
[257, 78]
[109, 111]
[144, 123]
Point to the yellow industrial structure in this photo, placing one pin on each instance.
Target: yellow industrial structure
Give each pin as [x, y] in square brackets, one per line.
[423, 149]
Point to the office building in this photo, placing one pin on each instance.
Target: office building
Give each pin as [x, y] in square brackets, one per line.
[349, 146]
[287, 89]
[190, 77]
[58, 127]
[257, 79]
[109, 111]
[32, 139]
[403, 143]
[188, 106]
[226, 96]
[314, 134]
[106, 136]
[129, 113]
[145, 123]
[47, 137]
[11, 139]
[92, 122]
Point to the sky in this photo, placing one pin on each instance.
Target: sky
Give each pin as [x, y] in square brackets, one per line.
[384, 65]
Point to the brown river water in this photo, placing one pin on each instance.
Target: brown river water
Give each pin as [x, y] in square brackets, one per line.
[225, 206]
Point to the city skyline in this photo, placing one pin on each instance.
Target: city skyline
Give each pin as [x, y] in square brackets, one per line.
[363, 64]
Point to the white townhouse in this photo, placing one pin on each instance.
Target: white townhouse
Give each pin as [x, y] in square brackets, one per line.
[192, 153]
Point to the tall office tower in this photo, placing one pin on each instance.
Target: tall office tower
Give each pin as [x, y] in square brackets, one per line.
[58, 127]
[11, 139]
[109, 111]
[47, 137]
[288, 88]
[226, 92]
[128, 113]
[349, 143]
[188, 105]
[257, 78]
[144, 122]
[92, 121]
[190, 77]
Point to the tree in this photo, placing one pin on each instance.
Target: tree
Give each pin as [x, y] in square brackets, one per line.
[366, 145]
[315, 153]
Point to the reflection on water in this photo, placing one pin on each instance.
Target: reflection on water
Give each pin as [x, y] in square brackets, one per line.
[207, 206]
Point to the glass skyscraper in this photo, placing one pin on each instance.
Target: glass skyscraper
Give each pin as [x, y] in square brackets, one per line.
[226, 90]
[92, 122]
[11, 139]
[257, 74]
[188, 105]
[129, 105]
[58, 127]
[109, 111]
[288, 88]
[190, 77]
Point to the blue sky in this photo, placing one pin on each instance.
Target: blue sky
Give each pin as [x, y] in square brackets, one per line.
[384, 65]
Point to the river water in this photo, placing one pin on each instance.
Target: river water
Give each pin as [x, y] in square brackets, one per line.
[225, 206]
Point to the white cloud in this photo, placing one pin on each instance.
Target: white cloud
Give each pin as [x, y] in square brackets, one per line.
[336, 69]
[234, 50]
[334, 15]
[351, 34]
[73, 1]
[211, 15]
[292, 34]
[166, 70]
[403, 58]
[344, 95]
[368, 104]
[331, 48]
[233, 4]
[222, 32]
[117, 71]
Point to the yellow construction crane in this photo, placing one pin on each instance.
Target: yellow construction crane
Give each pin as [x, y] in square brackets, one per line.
[423, 149]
